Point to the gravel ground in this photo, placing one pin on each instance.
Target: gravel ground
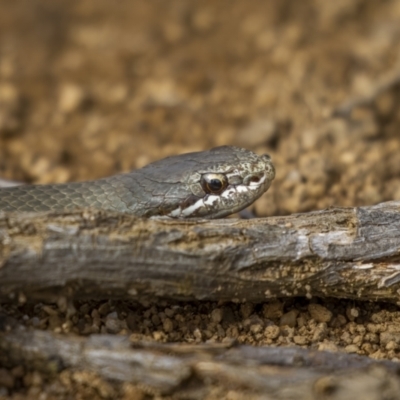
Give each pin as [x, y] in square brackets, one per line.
[88, 89]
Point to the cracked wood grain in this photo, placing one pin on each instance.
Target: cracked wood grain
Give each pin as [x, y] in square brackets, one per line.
[341, 252]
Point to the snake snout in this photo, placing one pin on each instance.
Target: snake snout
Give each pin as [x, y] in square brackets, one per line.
[270, 171]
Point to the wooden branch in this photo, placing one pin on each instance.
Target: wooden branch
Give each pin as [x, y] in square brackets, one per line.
[171, 368]
[343, 252]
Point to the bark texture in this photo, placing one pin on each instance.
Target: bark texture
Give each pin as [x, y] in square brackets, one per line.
[342, 252]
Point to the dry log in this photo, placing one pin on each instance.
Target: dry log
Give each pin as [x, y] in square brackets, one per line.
[342, 252]
[191, 370]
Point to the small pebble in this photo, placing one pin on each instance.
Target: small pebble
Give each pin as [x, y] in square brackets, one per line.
[289, 318]
[319, 313]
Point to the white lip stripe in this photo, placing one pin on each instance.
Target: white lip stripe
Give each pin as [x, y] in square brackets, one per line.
[191, 209]
[241, 189]
[228, 193]
[175, 213]
[211, 199]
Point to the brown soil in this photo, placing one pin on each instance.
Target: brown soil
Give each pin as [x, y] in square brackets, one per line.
[91, 88]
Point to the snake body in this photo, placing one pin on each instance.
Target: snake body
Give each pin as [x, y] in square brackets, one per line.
[210, 184]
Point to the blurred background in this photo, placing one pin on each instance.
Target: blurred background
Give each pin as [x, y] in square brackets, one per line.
[92, 88]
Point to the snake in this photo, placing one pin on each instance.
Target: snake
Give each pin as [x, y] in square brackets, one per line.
[206, 184]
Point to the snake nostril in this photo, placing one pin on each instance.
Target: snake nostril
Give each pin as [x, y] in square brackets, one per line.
[253, 178]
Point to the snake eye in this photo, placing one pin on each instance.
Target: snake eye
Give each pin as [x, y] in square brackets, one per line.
[214, 183]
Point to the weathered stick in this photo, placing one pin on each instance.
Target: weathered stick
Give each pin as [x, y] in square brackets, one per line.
[173, 368]
[342, 252]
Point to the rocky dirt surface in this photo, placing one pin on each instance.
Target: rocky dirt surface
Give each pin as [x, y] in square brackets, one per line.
[88, 89]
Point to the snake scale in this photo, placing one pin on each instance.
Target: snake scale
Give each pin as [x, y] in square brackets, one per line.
[208, 184]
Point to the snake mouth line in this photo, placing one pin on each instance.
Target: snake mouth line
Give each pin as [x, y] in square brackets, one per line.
[198, 206]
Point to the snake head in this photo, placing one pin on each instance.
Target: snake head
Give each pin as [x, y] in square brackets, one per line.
[210, 184]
